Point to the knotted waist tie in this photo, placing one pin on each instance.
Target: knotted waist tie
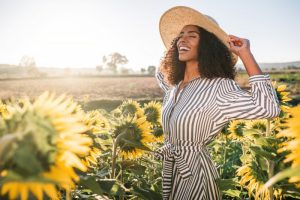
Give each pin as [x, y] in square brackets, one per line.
[177, 152]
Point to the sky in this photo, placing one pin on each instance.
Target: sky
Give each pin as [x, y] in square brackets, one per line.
[78, 33]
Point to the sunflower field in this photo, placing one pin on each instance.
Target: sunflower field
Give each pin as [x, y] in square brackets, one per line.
[51, 148]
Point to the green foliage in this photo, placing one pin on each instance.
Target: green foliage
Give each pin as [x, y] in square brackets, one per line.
[138, 178]
[34, 138]
[256, 152]
[259, 152]
[226, 154]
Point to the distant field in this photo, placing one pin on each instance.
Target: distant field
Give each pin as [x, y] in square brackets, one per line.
[81, 88]
[106, 90]
[292, 80]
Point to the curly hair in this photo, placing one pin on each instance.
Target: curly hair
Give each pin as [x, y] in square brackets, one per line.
[214, 60]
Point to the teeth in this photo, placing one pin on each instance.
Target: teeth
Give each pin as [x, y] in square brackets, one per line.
[184, 48]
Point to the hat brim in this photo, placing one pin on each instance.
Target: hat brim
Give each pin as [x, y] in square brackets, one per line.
[174, 19]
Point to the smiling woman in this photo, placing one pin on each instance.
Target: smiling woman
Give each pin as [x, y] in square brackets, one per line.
[201, 60]
[195, 44]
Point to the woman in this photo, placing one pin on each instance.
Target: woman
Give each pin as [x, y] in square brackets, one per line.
[201, 97]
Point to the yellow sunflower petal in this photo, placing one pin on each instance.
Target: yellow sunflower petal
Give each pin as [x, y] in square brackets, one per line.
[37, 190]
[51, 191]
[281, 88]
[23, 189]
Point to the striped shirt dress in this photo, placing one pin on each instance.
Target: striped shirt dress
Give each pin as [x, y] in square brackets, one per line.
[202, 108]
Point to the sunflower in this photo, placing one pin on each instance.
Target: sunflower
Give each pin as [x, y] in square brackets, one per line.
[236, 128]
[131, 108]
[116, 113]
[97, 121]
[158, 133]
[152, 111]
[258, 124]
[42, 143]
[3, 109]
[134, 136]
[253, 179]
[99, 126]
[292, 145]
[92, 159]
[282, 95]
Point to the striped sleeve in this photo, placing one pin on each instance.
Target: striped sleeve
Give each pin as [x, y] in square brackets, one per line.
[261, 102]
[161, 82]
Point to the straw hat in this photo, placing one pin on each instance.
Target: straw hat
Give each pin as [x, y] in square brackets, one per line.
[174, 19]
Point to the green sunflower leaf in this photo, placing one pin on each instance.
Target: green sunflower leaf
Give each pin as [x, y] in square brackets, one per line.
[136, 144]
[7, 148]
[263, 153]
[290, 172]
[146, 193]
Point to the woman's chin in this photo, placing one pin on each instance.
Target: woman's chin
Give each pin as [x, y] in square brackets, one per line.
[183, 59]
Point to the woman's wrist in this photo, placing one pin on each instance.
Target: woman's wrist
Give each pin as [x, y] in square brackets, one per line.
[245, 54]
[249, 62]
[241, 47]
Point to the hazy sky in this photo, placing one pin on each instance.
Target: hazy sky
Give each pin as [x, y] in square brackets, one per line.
[77, 33]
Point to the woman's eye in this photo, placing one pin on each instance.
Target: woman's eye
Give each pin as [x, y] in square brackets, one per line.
[190, 36]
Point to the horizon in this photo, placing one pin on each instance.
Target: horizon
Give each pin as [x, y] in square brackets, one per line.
[67, 34]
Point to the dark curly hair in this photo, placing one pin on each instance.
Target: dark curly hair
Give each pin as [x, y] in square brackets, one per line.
[214, 60]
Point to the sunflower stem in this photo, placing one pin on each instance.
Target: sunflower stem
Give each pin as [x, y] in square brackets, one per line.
[113, 160]
[225, 152]
[68, 194]
[114, 157]
[270, 162]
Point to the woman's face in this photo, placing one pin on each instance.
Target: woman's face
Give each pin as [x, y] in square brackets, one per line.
[187, 45]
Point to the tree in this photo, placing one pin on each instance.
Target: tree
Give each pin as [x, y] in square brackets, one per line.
[151, 69]
[143, 70]
[113, 60]
[29, 63]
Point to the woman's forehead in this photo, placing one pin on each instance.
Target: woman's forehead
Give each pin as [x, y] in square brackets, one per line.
[189, 28]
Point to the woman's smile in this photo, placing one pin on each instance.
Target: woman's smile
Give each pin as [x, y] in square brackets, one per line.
[183, 49]
[188, 43]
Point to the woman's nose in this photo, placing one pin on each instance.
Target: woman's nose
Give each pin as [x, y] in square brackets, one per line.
[182, 38]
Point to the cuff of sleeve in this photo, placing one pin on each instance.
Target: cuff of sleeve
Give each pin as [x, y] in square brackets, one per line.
[159, 75]
[259, 77]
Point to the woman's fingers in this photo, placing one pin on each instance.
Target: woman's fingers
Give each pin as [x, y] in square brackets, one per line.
[233, 36]
[238, 43]
[232, 46]
[235, 42]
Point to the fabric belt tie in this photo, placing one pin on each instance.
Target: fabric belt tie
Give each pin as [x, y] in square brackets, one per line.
[178, 153]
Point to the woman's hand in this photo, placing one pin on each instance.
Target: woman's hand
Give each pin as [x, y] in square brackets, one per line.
[239, 46]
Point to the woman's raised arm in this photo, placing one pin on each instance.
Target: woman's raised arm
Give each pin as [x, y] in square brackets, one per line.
[160, 80]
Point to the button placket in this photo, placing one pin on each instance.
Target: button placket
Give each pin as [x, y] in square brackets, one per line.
[174, 103]
[178, 98]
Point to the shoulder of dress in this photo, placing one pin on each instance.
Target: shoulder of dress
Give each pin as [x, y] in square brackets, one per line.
[226, 81]
[226, 85]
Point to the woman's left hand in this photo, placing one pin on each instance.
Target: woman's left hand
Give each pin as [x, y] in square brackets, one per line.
[241, 47]
[238, 45]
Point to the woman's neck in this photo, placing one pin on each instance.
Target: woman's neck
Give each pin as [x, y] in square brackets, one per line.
[191, 71]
